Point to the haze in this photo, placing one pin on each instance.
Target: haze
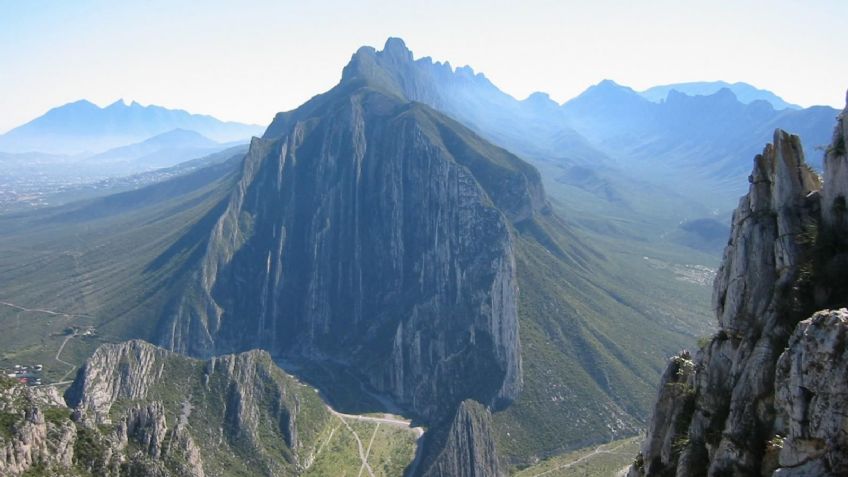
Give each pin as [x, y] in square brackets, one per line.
[244, 61]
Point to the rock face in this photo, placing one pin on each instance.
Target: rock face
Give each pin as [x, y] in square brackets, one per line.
[27, 438]
[810, 397]
[747, 406]
[469, 446]
[836, 175]
[377, 232]
[129, 412]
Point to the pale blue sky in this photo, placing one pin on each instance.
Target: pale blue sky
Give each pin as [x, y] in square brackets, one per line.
[247, 60]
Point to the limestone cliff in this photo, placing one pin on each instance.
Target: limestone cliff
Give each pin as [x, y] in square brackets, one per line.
[376, 232]
[760, 397]
[27, 436]
[135, 409]
[469, 446]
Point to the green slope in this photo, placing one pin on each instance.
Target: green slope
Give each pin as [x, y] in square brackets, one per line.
[596, 329]
[110, 263]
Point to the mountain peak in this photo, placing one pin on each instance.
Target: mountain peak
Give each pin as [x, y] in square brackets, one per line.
[723, 96]
[541, 100]
[725, 93]
[744, 92]
[119, 104]
[395, 47]
[608, 83]
[606, 90]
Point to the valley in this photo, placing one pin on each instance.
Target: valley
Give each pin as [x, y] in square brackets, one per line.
[413, 273]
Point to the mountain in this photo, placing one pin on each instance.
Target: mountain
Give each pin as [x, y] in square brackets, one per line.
[83, 127]
[639, 153]
[693, 145]
[177, 138]
[765, 395]
[162, 150]
[393, 255]
[581, 180]
[524, 127]
[746, 93]
[135, 409]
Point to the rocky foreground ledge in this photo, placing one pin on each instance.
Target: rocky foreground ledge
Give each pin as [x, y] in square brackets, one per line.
[767, 394]
[130, 412]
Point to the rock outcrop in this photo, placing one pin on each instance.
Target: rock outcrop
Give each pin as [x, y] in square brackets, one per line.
[27, 437]
[835, 191]
[812, 412]
[469, 447]
[130, 412]
[747, 407]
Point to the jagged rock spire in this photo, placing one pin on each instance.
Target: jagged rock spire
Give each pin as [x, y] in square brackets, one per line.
[745, 405]
[836, 174]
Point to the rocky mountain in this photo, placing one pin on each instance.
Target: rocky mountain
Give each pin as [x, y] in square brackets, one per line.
[368, 179]
[765, 395]
[83, 127]
[531, 128]
[631, 145]
[135, 409]
[744, 92]
[470, 447]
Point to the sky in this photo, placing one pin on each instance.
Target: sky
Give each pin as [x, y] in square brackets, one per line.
[246, 60]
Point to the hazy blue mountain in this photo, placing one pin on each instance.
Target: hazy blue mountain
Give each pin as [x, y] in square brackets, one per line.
[745, 92]
[536, 129]
[699, 146]
[162, 150]
[532, 128]
[174, 138]
[82, 126]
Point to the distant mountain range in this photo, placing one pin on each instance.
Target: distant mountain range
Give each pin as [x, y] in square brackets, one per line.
[744, 92]
[83, 127]
[610, 151]
[699, 146]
